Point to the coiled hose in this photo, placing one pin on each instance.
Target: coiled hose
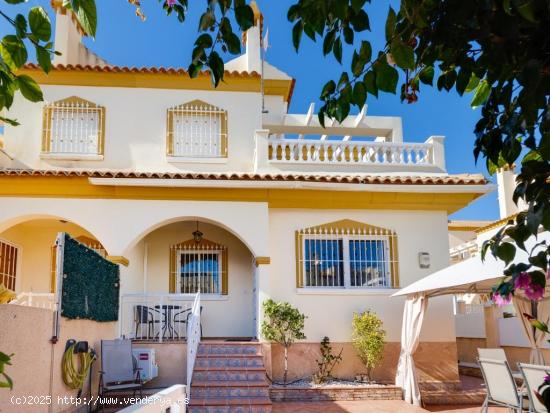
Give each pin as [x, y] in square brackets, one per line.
[73, 377]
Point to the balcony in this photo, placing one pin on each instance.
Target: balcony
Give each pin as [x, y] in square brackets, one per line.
[361, 143]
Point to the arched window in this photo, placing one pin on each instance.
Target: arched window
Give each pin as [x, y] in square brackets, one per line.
[196, 130]
[346, 254]
[198, 266]
[73, 127]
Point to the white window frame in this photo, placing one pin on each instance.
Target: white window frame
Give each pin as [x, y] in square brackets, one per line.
[347, 262]
[217, 252]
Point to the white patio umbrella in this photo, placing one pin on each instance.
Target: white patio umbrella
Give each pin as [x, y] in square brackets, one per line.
[469, 276]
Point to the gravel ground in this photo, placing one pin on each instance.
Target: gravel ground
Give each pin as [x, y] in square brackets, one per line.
[307, 383]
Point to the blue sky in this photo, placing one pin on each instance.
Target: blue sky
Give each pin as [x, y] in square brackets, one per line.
[123, 39]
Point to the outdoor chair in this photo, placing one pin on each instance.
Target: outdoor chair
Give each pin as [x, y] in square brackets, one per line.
[119, 372]
[501, 386]
[491, 353]
[533, 377]
[144, 315]
[179, 318]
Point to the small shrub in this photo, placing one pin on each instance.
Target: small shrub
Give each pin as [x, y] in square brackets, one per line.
[327, 362]
[283, 324]
[368, 339]
[5, 360]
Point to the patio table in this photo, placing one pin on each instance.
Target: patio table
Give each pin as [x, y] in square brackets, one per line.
[168, 311]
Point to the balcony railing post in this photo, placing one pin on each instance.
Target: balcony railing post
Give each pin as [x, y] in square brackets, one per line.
[437, 151]
[261, 154]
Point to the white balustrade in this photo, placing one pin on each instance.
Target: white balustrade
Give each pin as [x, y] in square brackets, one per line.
[193, 337]
[38, 300]
[315, 151]
[157, 317]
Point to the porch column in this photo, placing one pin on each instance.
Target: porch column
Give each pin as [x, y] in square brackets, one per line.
[491, 313]
[263, 290]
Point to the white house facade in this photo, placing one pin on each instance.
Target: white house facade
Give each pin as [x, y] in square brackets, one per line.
[192, 188]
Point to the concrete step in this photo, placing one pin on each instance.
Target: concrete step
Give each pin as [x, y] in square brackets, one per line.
[228, 376]
[231, 348]
[244, 408]
[223, 363]
[225, 392]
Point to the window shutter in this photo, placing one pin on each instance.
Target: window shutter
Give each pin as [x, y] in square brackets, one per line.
[52, 268]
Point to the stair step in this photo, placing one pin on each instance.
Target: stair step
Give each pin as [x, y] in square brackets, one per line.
[222, 363]
[230, 409]
[229, 349]
[236, 401]
[228, 376]
[223, 392]
[229, 383]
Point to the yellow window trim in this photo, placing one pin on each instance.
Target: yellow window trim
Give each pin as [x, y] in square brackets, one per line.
[191, 244]
[51, 107]
[341, 225]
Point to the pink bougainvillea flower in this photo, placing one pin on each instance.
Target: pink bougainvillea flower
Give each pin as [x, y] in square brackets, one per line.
[522, 281]
[547, 378]
[171, 3]
[502, 300]
[534, 292]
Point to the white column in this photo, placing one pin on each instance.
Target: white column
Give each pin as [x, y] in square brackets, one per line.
[67, 39]
[506, 183]
[438, 151]
[261, 151]
[264, 292]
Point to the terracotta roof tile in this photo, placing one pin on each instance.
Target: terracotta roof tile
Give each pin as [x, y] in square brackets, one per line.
[126, 69]
[463, 179]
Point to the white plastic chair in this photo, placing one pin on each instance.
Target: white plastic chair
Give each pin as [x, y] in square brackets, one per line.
[491, 353]
[533, 377]
[501, 386]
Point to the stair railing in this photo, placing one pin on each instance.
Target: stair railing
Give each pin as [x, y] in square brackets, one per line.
[193, 337]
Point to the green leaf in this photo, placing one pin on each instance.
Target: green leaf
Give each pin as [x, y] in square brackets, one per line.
[44, 59]
[370, 83]
[357, 5]
[481, 94]
[342, 110]
[426, 75]
[328, 42]
[506, 252]
[15, 1]
[245, 17]
[365, 51]
[204, 41]
[390, 24]
[462, 80]
[360, 21]
[348, 35]
[40, 25]
[472, 83]
[215, 63]
[328, 89]
[525, 9]
[9, 121]
[337, 50]
[386, 77]
[21, 26]
[86, 14]
[29, 88]
[194, 69]
[403, 54]
[297, 31]
[359, 94]
[206, 21]
[13, 51]
[233, 43]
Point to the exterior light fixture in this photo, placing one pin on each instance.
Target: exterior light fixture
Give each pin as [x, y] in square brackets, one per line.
[424, 259]
[197, 235]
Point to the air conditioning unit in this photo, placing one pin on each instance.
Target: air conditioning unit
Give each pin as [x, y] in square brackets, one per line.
[146, 361]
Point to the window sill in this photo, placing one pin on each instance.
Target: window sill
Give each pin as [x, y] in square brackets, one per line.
[71, 157]
[346, 291]
[186, 159]
[204, 297]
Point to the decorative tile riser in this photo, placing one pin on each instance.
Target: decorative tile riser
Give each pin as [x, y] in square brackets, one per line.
[327, 394]
[220, 363]
[229, 409]
[229, 392]
[226, 376]
[222, 350]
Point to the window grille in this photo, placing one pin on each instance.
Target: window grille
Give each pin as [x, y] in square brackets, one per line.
[73, 126]
[346, 254]
[197, 130]
[198, 267]
[9, 254]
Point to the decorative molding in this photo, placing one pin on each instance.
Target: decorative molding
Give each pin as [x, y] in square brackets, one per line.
[262, 261]
[118, 259]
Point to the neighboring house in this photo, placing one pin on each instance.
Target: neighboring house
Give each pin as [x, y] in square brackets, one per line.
[194, 188]
[478, 322]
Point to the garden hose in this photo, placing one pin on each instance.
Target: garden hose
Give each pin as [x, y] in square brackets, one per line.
[74, 377]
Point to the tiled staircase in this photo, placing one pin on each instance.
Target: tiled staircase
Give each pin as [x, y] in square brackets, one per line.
[229, 377]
